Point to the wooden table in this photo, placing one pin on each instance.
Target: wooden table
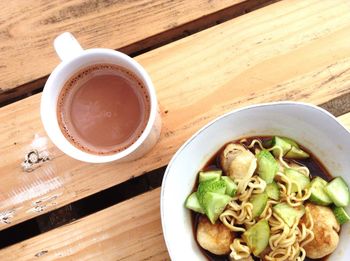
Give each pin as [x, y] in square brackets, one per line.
[204, 57]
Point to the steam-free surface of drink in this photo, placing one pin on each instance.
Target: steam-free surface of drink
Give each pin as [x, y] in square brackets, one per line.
[103, 109]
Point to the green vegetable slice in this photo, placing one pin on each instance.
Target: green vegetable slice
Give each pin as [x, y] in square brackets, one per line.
[267, 166]
[231, 186]
[214, 204]
[212, 198]
[341, 215]
[193, 203]
[318, 193]
[297, 178]
[216, 186]
[290, 148]
[288, 214]
[257, 237]
[209, 175]
[290, 141]
[272, 190]
[338, 191]
[259, 202]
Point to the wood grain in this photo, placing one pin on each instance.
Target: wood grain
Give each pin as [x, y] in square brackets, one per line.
[345, 120]
[128, 231]
[291, 50]
[27, 30]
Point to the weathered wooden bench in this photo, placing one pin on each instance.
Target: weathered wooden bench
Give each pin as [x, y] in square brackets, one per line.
[288, 50]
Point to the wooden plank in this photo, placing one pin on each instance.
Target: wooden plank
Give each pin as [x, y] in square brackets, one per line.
[27, 30]
[286, 51]
[128, 231]
[345, 120]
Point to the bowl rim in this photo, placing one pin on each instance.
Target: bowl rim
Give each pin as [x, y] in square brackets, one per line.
[189, 141]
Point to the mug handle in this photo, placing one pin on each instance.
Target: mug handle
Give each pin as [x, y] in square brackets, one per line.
[66, 46]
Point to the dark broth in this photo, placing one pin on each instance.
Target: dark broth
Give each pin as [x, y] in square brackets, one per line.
[313, 164]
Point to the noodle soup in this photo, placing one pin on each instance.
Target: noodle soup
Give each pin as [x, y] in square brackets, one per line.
[267, 198]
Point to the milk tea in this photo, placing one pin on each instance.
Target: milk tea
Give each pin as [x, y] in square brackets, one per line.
[103, 109]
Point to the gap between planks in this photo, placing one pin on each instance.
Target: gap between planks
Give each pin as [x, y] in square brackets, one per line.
[130, 230]
[81, 208]
[116, 194]
[134, 27]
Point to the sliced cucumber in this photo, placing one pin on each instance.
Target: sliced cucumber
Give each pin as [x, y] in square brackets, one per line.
[272, 190]
[297, 178]
[257, 237]
[318, 193]
[341, 215]
[282, 144]
[216, 186]
[209, 175]
[290, 148]
[259, 202]
[290, 141]
[231, 186]
[193, 203]
[289, 214]
[338, 191]
[267, 166]
[212, 198]
[214, 204]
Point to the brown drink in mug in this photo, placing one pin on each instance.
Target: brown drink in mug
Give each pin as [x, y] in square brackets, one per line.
[99, 105]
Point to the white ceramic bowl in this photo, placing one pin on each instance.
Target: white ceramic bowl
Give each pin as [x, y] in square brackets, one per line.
[309, 125]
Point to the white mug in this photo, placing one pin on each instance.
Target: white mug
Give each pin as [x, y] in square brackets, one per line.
[74, 58]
